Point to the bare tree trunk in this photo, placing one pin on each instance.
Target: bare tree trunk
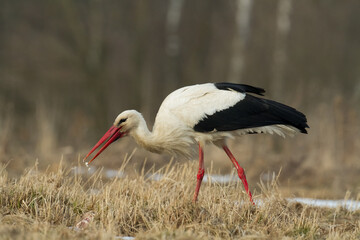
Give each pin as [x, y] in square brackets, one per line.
[94, 65]
[6, 127]
[88, 47]
[283, 24]
[173, 43]
[243, 14]
[46, 129]
[147, 65]
[147, 91]
[94, 51]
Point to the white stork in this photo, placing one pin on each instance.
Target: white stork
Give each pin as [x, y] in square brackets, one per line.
[206, 113]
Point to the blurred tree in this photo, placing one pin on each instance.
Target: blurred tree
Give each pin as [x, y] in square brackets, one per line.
[243, 15]
[283, 27]
[173, 44]
[89, 60]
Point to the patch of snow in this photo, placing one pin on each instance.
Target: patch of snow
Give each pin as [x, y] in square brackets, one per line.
[83, 170]
[214, 178]
[351, 205]
[110, 173]
[154, 177]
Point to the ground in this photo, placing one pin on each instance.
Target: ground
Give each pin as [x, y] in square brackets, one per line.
[49, 204]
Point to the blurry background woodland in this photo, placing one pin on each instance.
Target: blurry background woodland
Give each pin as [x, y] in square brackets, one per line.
[67, 68]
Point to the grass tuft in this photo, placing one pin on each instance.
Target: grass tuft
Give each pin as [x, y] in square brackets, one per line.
[43, 205]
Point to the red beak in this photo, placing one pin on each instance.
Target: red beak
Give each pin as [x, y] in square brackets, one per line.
[111, 135]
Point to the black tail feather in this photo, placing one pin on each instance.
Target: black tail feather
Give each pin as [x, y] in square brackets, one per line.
[251, 112]
[288, 115]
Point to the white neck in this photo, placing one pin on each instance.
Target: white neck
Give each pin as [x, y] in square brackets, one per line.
[145, 138]
[164, 138]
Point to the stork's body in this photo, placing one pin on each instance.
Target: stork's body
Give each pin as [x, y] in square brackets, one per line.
[206, 113]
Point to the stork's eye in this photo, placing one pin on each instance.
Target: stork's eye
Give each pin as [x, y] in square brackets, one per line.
[122, 120]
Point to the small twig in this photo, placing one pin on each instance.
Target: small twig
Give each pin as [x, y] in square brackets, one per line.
[87, 219]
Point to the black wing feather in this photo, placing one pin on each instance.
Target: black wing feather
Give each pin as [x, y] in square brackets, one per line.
[243, 88]
[251, 112]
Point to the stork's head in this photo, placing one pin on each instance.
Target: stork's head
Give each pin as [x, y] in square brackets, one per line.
[127, 120]
[124, 123]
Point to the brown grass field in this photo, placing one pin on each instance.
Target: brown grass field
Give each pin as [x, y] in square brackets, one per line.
[48, 204]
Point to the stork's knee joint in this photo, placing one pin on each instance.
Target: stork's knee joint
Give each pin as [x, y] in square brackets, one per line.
[200, 174]
[241, 172]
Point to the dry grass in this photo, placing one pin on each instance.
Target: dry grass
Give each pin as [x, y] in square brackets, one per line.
[43, 205]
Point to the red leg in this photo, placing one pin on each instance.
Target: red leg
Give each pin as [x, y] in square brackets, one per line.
[200, 174]
[240, 171]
